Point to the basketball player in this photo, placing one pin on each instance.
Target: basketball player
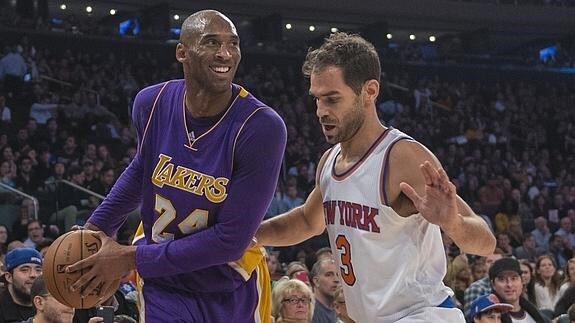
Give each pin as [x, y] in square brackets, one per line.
[206, 170]
[383, 197]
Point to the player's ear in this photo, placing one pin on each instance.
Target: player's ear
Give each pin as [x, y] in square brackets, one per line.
[370, 90]
[39, 302]
[181, 53]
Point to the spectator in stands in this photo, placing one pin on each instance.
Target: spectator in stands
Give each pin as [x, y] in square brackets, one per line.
[35, 234]
[274, 266]
[26, 180]
[528, 249]
[69, 153]
[23, 266]
[547, 283]
[340, 308]
[43, 110]
[324, 278]
[568, 276]
[488, 309]
[482, 286]
[566, 231]
[292, 301]
[559, 250]
[5, 113]
[6, 175]
[528, 281]
[503, 243]
[541, 233]
[105, 181]
[277, 205]
[505, 276]
[47, 308]
[292, 198]
[4, 236]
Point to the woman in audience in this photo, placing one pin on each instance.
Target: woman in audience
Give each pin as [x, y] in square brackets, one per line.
[547, 283]
[569, 276]
[527, 280]
[292, 302]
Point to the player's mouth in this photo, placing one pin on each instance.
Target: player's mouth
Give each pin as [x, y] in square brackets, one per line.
[220, 69]
[327, 128]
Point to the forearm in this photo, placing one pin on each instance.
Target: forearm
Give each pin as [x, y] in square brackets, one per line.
[287, 229]
[124, 197]
[472, 235]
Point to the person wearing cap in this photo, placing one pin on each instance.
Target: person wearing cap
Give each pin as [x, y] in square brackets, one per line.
[48, 309]
[488, 309]
[23, 266]
[505, 277]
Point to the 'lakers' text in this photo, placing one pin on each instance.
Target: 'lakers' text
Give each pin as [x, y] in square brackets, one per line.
[189, 180]
[353, 215]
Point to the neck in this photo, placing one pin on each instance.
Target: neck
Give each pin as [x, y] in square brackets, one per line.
[365, 136]
[516, 306]
[325, 300]
[202, 103]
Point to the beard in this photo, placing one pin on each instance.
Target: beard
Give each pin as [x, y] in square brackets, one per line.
[51, 315]
[350, 124]
[21, 294]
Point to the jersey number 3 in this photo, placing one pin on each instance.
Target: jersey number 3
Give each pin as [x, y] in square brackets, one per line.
[196, 220]
[346, 268]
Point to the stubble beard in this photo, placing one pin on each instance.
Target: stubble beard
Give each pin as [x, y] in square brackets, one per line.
[352, 122]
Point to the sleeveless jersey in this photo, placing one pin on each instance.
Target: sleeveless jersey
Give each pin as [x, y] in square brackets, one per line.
[390, 266]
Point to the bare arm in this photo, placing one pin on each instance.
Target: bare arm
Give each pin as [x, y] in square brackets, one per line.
[296, 225]
[435, 197]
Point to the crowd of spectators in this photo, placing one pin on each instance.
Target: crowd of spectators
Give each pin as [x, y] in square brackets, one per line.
[508, 145]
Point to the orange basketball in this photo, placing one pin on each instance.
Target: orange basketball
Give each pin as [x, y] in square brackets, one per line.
[64, 251]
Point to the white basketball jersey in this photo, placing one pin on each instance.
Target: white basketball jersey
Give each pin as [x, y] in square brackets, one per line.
[391, 266]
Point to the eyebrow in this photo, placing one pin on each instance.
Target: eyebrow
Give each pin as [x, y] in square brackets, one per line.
[330, 93]
[234, 37]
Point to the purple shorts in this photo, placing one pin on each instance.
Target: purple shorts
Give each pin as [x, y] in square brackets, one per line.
[249, 303]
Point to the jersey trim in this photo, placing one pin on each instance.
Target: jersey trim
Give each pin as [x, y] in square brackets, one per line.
[385, 171]
[240, 131]
[347, 173]
[141, 143]
[230, 107]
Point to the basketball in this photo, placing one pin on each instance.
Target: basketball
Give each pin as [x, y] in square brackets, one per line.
[67, 250]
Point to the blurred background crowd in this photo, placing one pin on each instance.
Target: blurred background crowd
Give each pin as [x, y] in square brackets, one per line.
[501, 123]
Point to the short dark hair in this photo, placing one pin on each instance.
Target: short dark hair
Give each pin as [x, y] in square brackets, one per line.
[356, 57]
[38, 287]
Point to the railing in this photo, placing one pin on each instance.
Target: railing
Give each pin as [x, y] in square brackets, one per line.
[18, 192]
[83, 189]
[57, 81]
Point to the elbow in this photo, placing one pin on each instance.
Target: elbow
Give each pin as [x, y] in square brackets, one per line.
[488, 248]
[491, 245]
[232, 250]
[318, 230]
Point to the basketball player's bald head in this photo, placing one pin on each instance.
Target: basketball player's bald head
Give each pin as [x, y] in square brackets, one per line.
[196, 24]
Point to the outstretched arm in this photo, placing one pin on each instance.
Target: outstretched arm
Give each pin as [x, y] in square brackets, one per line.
[436, 199]
[296, 225]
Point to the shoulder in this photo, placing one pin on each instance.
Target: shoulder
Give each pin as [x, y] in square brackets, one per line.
[259, 117]
[144, 102]
[411, 152]
[147, 96]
